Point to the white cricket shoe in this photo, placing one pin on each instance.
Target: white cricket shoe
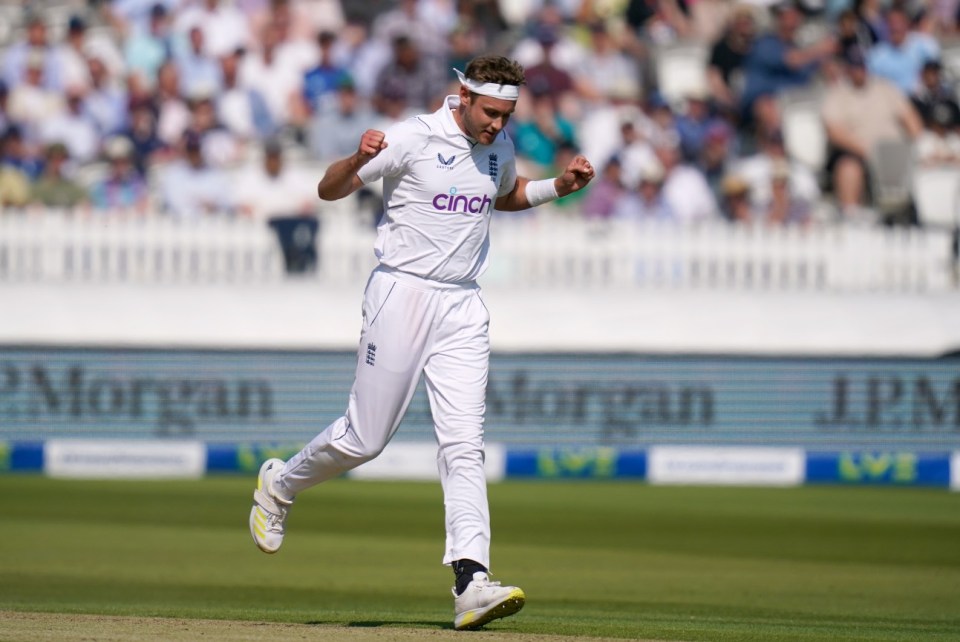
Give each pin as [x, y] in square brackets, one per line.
[484, 601]
[269, 512]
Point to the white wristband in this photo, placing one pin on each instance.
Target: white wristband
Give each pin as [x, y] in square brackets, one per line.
[540, 192]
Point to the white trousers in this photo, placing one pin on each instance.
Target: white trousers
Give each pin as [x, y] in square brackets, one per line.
[414, 327]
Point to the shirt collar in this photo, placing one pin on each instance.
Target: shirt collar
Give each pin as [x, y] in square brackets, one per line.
[450, 126]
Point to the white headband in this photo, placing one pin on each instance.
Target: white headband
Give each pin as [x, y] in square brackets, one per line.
[492, 89]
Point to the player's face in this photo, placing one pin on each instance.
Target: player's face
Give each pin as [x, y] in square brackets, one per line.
[484, 117]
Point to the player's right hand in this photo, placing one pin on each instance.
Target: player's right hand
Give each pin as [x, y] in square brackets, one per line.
[371, 143]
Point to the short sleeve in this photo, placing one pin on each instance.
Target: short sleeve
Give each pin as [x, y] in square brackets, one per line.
[400, 138]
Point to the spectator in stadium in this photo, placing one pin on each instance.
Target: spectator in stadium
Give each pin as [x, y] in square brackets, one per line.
[34, 46]
[307, 18]
[265, 72]
[693, 122]
[466, 41]
[225, 28]
[735, 204]
[939, 143]
[776, 62]
[858, 114]
[539, 130]
[31, 101]
[647, 202]
[190, 188]
[759, 171]
[717, 155]
[659, 21]
[604, 69]
[74, 127]
[53, 188]
[428, 24]
[123, 188]
[422, 77]
[727, 57]
[220, 147]
[4, 106]
[199, 73]
[142, 133]
[107, 101]
[145, 50]
[334, 133]
[243, 111]
[901, 57]
[852, 33]
[73, 59]
[871, 18]
[933, 90]
[130, 16]
[321, 82]
[685, 189]
[173, 114]
[636, 152]
[274, 188]
[547, 77]
[14, 152]
[390, 104]
[605, 194]
[786, 206]
[14, 187]
[80, 45]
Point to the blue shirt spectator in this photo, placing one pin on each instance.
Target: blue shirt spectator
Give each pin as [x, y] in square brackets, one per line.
[200, 75]
[146, 49]
[321, 82]
[35, 45]
[776, 62]
[123, 187]
[901, 58]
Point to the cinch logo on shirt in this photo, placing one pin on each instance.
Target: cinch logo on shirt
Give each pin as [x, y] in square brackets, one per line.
[454, 202]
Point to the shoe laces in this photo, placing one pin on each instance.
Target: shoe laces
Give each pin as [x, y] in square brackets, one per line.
[487, 583]
[276, 520]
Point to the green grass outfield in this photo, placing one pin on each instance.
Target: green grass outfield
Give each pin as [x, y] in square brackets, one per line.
[597, 559]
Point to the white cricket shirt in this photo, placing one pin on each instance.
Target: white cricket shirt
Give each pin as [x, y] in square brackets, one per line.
[439, 188]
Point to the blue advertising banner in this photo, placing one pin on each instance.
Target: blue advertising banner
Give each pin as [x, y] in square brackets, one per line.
[536, 401]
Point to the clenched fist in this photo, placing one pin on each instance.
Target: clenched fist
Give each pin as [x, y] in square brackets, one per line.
[575, 177]
[371, 143]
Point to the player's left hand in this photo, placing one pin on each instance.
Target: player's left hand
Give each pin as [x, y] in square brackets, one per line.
[576, 176]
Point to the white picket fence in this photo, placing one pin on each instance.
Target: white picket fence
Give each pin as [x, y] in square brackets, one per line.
[527, 251]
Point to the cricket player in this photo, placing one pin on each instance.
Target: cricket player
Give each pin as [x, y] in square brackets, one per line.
[443, 174]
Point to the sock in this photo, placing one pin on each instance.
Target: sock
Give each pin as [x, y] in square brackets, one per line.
[464, 570]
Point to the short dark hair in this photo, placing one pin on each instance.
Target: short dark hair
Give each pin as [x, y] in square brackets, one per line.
[495, 69]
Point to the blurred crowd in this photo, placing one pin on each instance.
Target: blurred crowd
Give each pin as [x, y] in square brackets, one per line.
[231, 107]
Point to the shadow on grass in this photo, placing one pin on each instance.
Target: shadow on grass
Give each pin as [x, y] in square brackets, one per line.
[372, 624]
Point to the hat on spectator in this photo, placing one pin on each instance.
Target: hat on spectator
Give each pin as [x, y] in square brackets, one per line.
[780, 170]
[117, 148]
[652, 172]
[734, 185]
[656, 100]
[57, 149]
[76, 23]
